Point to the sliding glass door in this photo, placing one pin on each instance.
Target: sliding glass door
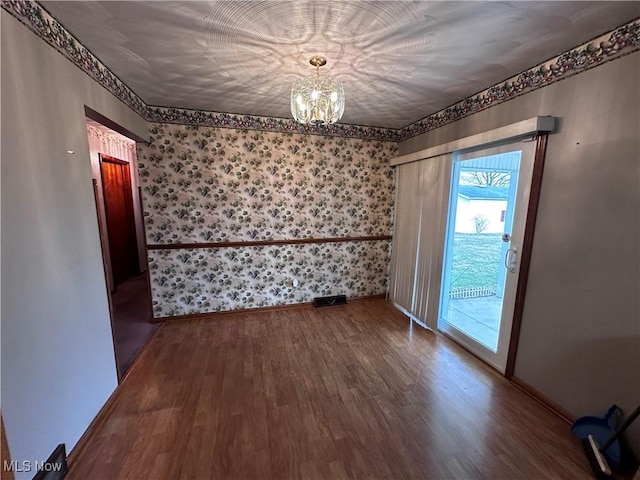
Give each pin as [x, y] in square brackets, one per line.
[485, 226]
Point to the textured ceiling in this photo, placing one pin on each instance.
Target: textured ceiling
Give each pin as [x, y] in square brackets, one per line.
[399, 61]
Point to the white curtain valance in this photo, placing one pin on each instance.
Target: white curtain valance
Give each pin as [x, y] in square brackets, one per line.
[515, 130]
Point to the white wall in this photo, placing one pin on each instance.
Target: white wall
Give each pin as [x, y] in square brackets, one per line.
[58, 365]
[580, 339]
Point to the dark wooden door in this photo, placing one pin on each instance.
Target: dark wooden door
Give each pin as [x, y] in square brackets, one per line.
[121, 226]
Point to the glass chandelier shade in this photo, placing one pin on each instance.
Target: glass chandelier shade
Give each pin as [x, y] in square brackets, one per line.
[317, 99]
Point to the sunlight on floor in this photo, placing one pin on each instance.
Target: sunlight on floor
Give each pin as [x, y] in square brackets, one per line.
[478, 317]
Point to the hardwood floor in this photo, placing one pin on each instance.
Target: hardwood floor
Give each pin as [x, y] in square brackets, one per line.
[337, 392]
[132, 320]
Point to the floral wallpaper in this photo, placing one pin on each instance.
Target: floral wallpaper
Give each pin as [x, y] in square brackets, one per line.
[206, 185]
[217, 279]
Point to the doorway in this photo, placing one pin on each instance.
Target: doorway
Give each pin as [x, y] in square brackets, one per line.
[119, 214]
[119, 217]
[130, 297]
[484, 234]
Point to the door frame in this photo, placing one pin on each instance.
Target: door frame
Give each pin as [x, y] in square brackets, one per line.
[540, 149]
[130, 206]
[538, 128]
[524, 260]
[519, 188]
[527, 247]
[106, 266]
[101, 211]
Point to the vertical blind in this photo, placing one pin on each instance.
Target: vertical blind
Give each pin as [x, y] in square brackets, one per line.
[422, 197]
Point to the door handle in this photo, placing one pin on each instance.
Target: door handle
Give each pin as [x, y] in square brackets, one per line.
[510, 259]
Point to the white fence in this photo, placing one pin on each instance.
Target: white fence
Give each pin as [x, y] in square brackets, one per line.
[474, 292]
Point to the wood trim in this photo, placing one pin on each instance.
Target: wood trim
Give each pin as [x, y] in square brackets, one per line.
[139, 354]
[378, 296]
[525, 256]
[146, 253]
[542, 400]
[230, 313]
[105, 263]
[105, 266]
[103, 414]
[245, 311]
[108, 158]
[259, 243]
[98, 117]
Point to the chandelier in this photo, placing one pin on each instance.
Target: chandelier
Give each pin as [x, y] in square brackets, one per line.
[317, 99]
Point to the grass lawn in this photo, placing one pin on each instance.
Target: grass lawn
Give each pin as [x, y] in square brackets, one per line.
[476, 259]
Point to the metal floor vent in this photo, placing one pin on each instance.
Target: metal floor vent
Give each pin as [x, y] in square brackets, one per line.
[329, 301]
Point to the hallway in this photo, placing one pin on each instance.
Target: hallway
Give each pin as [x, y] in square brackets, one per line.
[132, 322]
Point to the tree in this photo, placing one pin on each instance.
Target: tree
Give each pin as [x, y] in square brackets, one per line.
[487, 178]
[480, 222]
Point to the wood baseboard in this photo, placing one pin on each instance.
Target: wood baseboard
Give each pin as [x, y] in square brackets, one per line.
[95, 425]
[542, 399]
[244, 311]
[139, 354]
[106, 409]
[229, 313]
[378, 296]
[521, 385]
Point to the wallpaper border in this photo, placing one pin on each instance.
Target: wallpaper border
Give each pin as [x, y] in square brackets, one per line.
[611, 45]
[44, 25]
[182, 116]
[608, 46]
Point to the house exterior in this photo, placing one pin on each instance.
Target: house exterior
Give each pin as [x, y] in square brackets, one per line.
[481, 209]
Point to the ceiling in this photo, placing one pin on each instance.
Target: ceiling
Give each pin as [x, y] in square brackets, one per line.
[399, 61]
